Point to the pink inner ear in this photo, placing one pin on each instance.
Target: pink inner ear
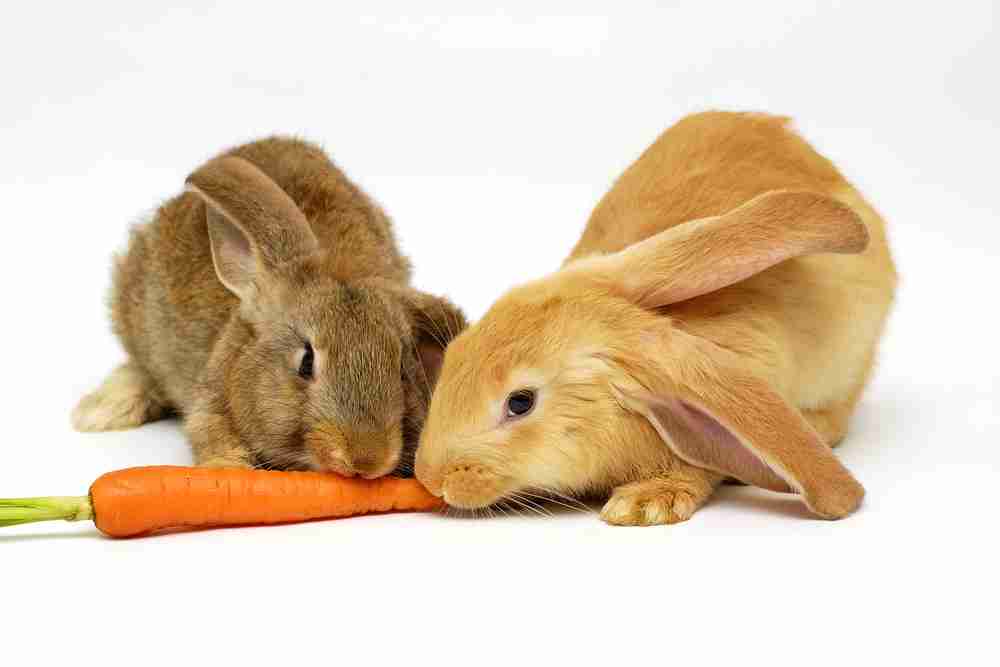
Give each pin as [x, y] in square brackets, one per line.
[701, 440]
[431, 357]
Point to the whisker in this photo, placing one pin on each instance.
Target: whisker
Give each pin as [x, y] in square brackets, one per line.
[575, 508]
[562, 496]
[527, 504]
[521, 505]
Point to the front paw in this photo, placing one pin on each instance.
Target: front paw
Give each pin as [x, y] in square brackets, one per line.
[654, 502]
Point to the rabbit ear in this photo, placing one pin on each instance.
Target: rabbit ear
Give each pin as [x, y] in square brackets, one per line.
[252, 223]
[436, 321]
[705, 255]
[715, 414]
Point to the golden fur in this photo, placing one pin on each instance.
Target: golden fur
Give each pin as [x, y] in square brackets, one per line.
[272, 246]
[702, 308]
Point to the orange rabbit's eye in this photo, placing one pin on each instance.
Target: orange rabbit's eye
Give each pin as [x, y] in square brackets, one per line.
[520, 403]
[306, 365]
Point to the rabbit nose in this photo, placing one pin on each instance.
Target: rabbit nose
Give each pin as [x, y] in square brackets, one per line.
[369, 454]
[373, 453]
[327, 445]
[370, 467]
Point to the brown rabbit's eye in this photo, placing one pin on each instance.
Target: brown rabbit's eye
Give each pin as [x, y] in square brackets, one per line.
[520, 403]
[306, 367]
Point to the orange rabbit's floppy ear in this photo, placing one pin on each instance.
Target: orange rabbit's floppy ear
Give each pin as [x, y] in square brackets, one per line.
[705, 255]
[252, 223]
[715, 414]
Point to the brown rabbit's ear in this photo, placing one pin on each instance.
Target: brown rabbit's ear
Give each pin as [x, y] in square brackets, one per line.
[715, 414]
[436, 321]
[253, 224]
[705, 255]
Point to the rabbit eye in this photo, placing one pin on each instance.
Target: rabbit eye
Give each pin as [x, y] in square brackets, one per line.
[306, 366]
[520, 403]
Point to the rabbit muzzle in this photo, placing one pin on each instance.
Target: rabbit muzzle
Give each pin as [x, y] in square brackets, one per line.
[350, 452]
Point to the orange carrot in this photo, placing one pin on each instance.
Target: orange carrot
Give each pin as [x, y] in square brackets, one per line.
[135, 501]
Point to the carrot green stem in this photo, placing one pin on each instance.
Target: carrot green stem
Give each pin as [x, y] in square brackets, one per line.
[28, 510]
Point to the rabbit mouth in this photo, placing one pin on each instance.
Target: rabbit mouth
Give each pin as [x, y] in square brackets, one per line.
[325, 448]
[387, 468]
[329, 465]
[331, 461]
[350, 454]
[473, 487]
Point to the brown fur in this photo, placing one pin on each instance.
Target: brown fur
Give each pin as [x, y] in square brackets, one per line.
[306, 255]
[692, 312]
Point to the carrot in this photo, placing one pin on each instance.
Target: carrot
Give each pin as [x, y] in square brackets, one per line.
[135, 501]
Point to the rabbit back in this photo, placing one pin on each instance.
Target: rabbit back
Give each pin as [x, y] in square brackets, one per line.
[809, 325]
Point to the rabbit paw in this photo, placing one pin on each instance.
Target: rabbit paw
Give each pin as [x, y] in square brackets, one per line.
[655, 501]
[122, 401]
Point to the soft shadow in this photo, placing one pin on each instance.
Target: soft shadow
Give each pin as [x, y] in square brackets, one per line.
[787, 505]
[41, 537]
[546, 509]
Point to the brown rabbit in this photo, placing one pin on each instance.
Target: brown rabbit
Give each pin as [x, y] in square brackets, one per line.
[270, 306]
[704, 308]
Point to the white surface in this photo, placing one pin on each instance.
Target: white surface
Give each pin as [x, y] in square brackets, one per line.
[489, 138]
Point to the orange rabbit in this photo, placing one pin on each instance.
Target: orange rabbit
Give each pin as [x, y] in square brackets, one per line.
[718, 318]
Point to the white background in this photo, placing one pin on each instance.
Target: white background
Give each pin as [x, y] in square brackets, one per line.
[489, 135]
